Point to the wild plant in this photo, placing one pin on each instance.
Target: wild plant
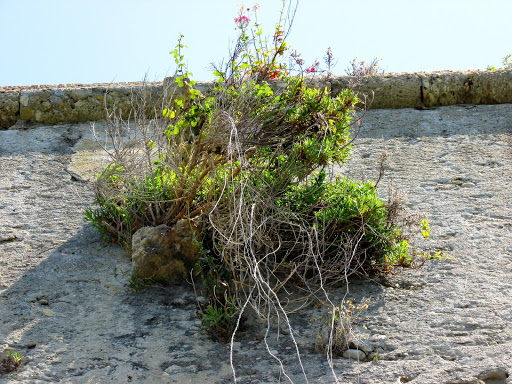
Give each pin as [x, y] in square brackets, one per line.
[362, 68]
[10, 362]
[251, 163]
[506, 61]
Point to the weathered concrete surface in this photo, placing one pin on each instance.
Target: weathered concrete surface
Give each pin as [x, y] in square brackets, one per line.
[65, 301]
[25, 107]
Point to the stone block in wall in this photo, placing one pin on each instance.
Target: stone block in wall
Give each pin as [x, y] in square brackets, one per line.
[34, 103]
[9, 108]
[50, 106]
[383, 91]
[467, 87]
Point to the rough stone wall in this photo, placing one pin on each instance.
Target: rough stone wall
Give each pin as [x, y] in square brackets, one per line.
[26, 107]
[49, 105]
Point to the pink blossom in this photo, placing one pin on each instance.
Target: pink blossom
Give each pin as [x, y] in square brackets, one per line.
[242, 20]
[310, 69]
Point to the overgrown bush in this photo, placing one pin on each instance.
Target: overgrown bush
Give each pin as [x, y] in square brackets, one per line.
[252, 161]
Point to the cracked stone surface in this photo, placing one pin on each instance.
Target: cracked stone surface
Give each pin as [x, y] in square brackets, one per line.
[66, 304]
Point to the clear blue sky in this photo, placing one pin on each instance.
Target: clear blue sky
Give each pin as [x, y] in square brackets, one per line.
[72, 41]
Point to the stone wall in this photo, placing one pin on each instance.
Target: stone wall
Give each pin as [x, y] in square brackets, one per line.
[48, 105]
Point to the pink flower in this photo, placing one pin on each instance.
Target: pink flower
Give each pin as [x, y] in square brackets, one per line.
[310, 69]
[242, 20]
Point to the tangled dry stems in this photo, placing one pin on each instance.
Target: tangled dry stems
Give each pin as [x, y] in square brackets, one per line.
[215, 175]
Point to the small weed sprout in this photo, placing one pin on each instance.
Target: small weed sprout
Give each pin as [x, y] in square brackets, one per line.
[10, 362]
[336, 329]
[138, 284]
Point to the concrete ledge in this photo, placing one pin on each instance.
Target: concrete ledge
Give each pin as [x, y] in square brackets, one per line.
[466, 87]
[388, 90]
[26, 107]
[48, 105]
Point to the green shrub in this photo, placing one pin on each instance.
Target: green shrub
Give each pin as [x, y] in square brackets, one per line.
[250, 160]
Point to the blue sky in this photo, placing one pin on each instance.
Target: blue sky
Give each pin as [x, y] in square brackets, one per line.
[71, 41]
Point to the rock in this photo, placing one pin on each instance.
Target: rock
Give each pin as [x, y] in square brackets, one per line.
[48, 312]
[173, 369]
[354, 354]
[9, 108]
[165, 254]
[363, 345]
[26, 113]
[24, 100]
[498, 375]
[80, 94]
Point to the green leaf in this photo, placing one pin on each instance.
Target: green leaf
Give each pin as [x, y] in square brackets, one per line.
[176, 130]
[173, 114]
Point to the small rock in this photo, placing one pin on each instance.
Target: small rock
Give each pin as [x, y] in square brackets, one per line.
[362, 330]
[26, 113]
[48, 312]
[496, 374]
[55, 99]
[24, 100]
[378, 337]
[173, 369]
[354, 354]
[165, 254]
[43, 302]
[363, 345]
